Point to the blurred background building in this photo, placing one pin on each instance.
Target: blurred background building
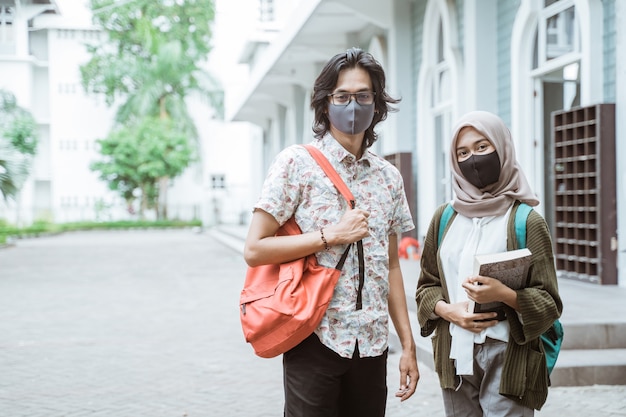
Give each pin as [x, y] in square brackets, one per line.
[554, 70]
[42, 45]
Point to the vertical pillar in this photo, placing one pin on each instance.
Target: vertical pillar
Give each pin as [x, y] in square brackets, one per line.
[620, 135]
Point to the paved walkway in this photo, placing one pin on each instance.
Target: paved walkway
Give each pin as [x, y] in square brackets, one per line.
[145, 323]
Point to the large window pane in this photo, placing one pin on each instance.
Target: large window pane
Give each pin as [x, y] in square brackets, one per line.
[560, 33]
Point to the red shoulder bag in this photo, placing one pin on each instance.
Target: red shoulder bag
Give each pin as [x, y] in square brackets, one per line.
[281, 305]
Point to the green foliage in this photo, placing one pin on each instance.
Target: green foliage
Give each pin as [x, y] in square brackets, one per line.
[150, 61]
[136, 157]
[18, 144]
[39, 228]
[14, 169]
[22, 133]
[101, 209]
[135, 24]
[154, 46]
[129, 224]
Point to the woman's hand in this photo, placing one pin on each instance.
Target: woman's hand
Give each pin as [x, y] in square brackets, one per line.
[457, 313]
[486, 290]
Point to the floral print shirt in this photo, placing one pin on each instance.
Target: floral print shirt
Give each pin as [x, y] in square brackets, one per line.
[296, 186]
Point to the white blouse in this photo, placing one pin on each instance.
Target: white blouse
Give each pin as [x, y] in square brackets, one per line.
[467, 237]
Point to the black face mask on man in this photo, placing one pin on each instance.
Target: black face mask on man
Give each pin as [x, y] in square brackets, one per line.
[352, 118]
[481, 170]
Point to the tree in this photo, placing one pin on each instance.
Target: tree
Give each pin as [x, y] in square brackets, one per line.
[137, 157]
[151, 62]
[18, 145]
[13, 171]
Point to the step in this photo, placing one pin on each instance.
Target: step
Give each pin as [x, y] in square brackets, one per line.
[588, 335]
[233, 241]
[583, 367]
[575, 367]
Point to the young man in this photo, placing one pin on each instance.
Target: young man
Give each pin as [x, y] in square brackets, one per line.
[341, 369]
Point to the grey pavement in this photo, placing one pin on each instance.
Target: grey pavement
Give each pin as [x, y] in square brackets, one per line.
[145, 323]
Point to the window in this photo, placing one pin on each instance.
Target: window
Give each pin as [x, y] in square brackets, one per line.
[266, 10]
[441, 113]
[6, 23]
[218, 181]
[558, 33]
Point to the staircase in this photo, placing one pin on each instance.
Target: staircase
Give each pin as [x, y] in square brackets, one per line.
[594, 323]
[592, 354]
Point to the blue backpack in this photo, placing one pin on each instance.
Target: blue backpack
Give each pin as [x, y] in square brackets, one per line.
[552, 339]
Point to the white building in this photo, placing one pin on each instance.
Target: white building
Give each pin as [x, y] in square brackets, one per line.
[526, 60]
[41, 50]
[545, 66]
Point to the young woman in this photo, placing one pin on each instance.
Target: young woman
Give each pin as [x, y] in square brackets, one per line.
[489, 364]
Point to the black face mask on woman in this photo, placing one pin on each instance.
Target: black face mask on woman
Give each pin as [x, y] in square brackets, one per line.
[481, 170]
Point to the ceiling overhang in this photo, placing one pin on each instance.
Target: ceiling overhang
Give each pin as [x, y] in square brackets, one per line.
[315, 32]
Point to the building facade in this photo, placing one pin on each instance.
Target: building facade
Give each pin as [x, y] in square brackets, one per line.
[552, 69]
[42, 46]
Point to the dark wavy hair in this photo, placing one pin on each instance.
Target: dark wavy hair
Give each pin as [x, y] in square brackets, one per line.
[327, 81]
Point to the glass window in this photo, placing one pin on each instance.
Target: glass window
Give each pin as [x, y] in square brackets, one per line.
[536, 53]
[440, 56]
[547, 3]
[6, 23]
[560, 33]
[557, 32]
[441, 111]
[218, 181]
[266, 10]
[442, 134]
[571, 86]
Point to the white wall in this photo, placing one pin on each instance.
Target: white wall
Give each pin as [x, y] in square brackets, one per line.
[76, 122]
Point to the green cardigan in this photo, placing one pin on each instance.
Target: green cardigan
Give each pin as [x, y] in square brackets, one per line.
[525, 374]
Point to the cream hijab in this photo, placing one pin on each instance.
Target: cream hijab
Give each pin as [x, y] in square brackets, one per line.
[495, 199]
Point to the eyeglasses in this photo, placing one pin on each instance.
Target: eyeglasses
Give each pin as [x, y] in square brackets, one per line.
[343, 99]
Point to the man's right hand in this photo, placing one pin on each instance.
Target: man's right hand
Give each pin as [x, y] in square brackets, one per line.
[353, 226]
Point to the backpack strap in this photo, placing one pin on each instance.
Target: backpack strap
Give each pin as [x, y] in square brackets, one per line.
[443, 222]
[521, 215]
[552, 338]
[331, 173]
[347, 194]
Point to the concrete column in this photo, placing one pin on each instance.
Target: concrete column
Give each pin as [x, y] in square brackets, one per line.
[401, 82]
[620, 136]
[480, 53]
[20, 31]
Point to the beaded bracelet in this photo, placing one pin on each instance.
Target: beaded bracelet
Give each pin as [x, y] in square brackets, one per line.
[326, 247]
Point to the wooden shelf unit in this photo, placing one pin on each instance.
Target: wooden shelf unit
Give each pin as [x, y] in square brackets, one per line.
[585, 218]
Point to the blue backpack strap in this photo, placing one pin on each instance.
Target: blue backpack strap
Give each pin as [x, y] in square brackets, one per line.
[523, 210]
[521, 214]
[443, 222]
[552, 339]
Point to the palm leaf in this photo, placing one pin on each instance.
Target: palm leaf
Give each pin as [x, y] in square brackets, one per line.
[13, 170]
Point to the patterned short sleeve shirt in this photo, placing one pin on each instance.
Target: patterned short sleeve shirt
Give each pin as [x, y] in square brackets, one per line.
[296, 186]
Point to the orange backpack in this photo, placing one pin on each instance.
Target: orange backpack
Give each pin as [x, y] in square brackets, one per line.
[281, 305]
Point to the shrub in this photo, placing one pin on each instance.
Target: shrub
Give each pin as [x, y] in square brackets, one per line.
[40, 227]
